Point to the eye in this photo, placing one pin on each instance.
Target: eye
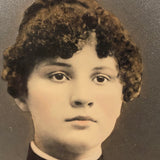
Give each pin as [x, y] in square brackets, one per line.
[101, 79]
[59, 77]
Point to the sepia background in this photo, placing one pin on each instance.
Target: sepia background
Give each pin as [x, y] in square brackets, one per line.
[137, 133]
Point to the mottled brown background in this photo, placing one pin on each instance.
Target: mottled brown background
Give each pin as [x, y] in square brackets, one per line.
[137, 135]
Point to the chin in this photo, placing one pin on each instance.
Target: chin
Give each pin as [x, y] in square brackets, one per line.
[80, 147]
[81, 144]
[76, 142]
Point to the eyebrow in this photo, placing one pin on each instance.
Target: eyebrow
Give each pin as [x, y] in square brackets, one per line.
[102, 67]
[58, 64]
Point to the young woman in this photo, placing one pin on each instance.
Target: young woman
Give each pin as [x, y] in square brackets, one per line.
[72, 66]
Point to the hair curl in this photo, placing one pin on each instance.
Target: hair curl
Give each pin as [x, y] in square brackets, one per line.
[53, 28]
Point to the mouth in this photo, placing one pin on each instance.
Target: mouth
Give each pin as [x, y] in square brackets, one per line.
[81, 118]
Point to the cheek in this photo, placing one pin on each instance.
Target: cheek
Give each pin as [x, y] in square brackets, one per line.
[108, 110]
[42, 98]
[45, 106]
[45, 100]
[109, 104]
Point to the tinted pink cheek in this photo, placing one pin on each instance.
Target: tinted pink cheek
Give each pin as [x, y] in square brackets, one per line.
[109, 104]
[44, 101]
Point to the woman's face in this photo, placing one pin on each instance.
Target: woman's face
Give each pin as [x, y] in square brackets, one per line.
[75, 101]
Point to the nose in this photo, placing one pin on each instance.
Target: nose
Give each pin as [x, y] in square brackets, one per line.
[81, 97]
[81, 103]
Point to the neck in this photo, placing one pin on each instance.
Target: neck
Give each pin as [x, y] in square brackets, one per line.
[61, 151]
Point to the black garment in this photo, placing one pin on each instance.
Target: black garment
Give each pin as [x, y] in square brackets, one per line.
[33, 156]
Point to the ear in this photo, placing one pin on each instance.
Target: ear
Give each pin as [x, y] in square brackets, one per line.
[21, 104]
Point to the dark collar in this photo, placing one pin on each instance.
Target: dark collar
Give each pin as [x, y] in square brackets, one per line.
[32, 156]
[101, 157]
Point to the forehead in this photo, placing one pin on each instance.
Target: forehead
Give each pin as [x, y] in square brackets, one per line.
[88, 57]
[83, 60]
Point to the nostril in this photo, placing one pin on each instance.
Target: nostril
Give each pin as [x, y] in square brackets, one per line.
[77, 103]
[90, 104]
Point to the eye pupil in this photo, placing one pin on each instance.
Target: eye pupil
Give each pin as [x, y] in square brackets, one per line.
[59, 76]
[100, 79]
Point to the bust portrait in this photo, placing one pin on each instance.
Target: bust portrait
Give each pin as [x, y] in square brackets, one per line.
[72, 67]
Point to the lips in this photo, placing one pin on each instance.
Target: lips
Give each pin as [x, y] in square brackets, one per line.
[81, 118]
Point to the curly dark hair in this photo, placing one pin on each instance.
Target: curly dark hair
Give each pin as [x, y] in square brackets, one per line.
[53, 28]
